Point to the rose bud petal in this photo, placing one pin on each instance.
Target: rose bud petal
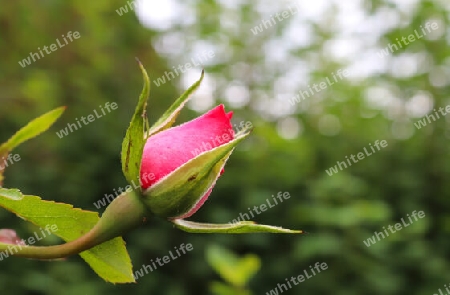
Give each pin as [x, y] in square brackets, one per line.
[9, 236]
[185, 162]
[168, 150]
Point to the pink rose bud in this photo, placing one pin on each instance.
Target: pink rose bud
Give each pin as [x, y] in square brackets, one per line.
[9, 236]
[167, 154]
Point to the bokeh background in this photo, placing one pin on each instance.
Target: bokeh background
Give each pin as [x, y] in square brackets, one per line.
[255, 75]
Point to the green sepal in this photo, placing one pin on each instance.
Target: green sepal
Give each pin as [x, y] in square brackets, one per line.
[134, 141]
[243, 227]
[169, 117]
[179, 191]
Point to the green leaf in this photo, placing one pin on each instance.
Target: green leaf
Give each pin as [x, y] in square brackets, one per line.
[13, 194]
[32, 129]
[134, 141]
[243, 227]
[233, 269]
[169, 117]
[109, 260]
[181, 189]
[2, 156]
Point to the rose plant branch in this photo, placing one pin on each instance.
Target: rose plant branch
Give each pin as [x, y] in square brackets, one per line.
[107, 228]
[181, 185]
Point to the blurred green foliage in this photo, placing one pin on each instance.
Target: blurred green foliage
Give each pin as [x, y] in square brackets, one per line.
[288, 151]
[234, 270]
